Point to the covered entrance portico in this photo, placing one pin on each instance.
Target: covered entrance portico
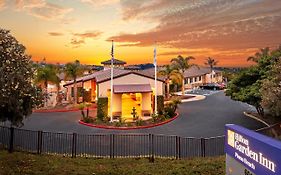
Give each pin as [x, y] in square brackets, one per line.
[129, 96]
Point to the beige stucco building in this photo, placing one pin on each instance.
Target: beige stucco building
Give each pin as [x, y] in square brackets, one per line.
[131, 89]
[197, 76]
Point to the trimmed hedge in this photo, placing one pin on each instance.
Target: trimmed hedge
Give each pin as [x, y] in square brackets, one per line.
[102, 108]
[160, 103]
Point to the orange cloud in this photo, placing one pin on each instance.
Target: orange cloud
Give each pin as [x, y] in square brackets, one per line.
[79, 38]
[42, 9]
[93, 34]
[229, 28]
[55, 33]
[2, 4]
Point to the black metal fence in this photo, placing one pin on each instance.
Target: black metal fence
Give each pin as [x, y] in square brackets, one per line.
[109, 145]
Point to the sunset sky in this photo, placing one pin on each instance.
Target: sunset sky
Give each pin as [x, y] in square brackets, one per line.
[65, 30]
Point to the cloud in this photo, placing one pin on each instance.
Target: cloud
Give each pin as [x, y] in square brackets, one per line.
[84, 35]
[79, 39]
[76, 42]
[2, 4]
[42, 9]
[224, 24]
[100, 3]
[55, 33]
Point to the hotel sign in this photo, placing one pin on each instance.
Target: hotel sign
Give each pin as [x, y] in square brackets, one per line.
[258, 154]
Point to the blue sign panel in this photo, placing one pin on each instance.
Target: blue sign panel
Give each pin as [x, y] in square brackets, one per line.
[258, 153]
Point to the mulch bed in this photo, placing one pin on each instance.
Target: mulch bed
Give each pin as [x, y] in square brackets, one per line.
[185, 97]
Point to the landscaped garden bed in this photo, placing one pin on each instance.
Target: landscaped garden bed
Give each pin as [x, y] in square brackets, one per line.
[166, 114]
[181, 97]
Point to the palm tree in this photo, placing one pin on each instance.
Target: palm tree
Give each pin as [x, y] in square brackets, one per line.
[44, 75]
[170, 74]
[73, 71]
[182, 64]
[263, 53]
[211, 63]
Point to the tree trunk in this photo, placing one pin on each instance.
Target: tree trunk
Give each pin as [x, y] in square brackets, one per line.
[182, 88]
[46, 93]
[75, 91]
[59, 99]
[260, 110]
[211, 74]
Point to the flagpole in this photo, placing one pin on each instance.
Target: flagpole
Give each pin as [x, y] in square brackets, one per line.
[111, 83]
[155, 80]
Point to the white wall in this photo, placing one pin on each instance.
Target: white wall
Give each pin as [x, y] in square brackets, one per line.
[129, 79]
[117, 99]
[146, 101]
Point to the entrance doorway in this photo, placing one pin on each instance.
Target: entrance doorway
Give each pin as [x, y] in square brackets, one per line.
[130, 100]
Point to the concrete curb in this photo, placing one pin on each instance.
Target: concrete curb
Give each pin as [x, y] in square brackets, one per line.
[255, 118]
[195, 98]
[128, 128]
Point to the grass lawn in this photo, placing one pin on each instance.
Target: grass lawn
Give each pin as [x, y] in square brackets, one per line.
[24, 163]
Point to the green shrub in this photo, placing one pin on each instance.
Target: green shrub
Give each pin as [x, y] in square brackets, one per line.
[88, 120]
[160, 104]
[169, 110]
[102, 108]
[139, 122]
[118, 124]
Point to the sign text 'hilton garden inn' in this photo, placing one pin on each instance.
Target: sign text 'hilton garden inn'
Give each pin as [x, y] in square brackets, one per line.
[248, 152]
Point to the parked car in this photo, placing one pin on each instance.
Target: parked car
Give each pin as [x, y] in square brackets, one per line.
[213, 86]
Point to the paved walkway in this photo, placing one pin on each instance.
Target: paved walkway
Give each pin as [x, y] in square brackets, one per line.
[204, 118]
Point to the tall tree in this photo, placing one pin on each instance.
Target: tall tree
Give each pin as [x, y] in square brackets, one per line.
[211, 62]
[44, 75]
[18, 96]
[246, 86]
[170, 74]
[264, 52]
[271, 90]
[182, 64]
[73, 71]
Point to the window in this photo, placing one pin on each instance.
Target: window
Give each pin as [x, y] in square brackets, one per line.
[200, 78]
[191, 80]
[72, 91]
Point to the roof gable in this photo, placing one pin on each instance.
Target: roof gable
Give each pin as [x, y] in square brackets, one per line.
[115, 62]
[105, 75]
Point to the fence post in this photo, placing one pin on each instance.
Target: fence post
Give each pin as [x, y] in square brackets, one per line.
[151, 147]
[178, 148]
[74, 141]
[39, 142]
[203, 153]
[11, 143]
[111, 145]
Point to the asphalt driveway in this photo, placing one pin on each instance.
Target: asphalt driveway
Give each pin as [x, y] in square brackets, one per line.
[205, 118]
